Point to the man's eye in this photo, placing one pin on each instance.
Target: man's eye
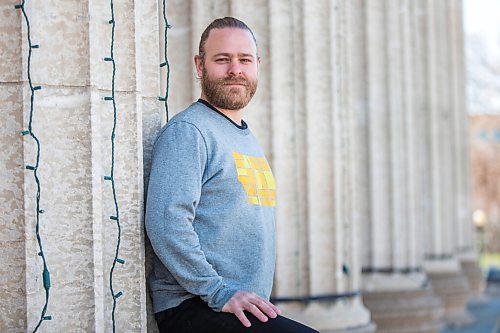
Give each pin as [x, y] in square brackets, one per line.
[246, 60]
[222, 60]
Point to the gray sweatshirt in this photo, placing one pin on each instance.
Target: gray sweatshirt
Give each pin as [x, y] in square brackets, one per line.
[210, 211]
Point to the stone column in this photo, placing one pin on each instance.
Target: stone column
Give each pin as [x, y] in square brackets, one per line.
[316, 253]
[394, 285]
[441, 263]
[464, 232]
[289, 147]
[73, 124]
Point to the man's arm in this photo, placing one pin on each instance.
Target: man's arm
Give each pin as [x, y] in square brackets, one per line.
[178, 163]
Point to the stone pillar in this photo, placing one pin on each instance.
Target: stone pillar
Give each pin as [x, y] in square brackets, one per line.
[316, 233]
[465, 231]
[394, 286]
[289, 149]
[441, 263]
[73, 124]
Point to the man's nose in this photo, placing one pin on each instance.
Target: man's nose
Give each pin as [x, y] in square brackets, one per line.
[234, 68]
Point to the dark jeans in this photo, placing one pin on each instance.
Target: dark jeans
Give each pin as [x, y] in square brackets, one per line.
[194, 316]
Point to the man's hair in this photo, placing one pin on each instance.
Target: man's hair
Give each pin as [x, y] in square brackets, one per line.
[220, 23]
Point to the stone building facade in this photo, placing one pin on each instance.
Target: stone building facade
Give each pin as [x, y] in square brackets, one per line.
[360, 109]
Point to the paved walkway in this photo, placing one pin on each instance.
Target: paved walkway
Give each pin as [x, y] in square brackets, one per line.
[487, 314]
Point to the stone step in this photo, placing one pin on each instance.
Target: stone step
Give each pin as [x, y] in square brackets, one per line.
[409, 311]
[453, 289]
[474, 274]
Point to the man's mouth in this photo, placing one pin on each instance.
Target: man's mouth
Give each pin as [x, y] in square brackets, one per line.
[235, 83]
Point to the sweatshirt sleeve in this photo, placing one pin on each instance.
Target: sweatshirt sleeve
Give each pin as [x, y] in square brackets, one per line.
[178, 163]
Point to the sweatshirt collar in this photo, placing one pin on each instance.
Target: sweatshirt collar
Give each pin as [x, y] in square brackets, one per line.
[243, 125]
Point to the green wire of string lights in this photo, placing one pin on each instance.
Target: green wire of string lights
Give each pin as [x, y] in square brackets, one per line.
[165, 60]
[29, 131]
[111, 176]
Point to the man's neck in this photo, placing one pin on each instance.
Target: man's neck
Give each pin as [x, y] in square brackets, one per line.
[235, 115]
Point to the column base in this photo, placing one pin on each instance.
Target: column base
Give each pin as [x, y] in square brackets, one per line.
[451, 285]
[409, 311]
[332, 317]
[370, 328]
[474, 276]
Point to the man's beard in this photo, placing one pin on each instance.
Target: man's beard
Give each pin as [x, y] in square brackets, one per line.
[225, 97]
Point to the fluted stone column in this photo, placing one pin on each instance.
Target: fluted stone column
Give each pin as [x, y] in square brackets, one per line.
[459, 105]
[394, 285]
[442, 264]
[326, 261]
[74, 125]
[465, 231]
[333, 266]
[289, 149]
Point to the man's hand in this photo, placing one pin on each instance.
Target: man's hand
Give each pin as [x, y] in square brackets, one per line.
[252, 303]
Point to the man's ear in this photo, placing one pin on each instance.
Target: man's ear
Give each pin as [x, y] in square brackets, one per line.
[198, 63]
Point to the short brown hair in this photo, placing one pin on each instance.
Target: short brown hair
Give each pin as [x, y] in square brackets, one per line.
[220, 23]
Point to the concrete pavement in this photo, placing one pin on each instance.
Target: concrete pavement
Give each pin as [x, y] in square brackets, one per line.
[487, 313]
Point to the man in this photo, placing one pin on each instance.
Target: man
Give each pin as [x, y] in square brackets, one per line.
[211, 198]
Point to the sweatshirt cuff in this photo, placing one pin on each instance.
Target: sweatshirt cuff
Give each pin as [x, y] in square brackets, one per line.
[220, 298]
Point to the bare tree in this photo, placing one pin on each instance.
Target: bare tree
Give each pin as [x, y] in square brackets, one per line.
[483, 71]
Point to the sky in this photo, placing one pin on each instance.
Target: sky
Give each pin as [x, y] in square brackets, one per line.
[483, 17]
[482, 23]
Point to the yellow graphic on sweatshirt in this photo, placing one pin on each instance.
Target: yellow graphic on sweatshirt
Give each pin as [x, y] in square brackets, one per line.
[257, 179]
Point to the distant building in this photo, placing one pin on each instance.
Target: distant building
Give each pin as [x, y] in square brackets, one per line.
[485, 161]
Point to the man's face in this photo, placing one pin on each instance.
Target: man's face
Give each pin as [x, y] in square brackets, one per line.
[229, 69]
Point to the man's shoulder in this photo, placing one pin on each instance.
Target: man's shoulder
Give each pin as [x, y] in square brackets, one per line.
[195, 114]
[192, 120]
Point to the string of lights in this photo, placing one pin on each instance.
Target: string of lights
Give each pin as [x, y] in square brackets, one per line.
[111, 176]
[34, 168]
[165, 60]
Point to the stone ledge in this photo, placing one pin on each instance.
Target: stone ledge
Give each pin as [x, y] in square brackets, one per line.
[412, 311]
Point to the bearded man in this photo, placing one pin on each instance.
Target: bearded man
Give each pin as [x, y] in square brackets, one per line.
[211, 199]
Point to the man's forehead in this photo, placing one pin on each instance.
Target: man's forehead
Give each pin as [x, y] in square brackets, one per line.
[230, 40]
